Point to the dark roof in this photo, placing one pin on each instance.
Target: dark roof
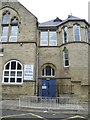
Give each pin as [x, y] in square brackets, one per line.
[51, 23]
[56, 22]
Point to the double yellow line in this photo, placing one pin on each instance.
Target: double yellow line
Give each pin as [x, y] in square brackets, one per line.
[34, 115]
[77, 116]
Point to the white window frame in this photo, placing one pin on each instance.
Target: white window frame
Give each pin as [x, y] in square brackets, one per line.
[51, 72]
[54, 41]
[13, 70]
[74, 32]
[64, 60]
[48, 41]
[63, 34]
[3, 36]
[41, 41]
[11, 36]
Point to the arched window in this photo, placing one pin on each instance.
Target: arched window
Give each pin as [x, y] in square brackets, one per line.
[14, 29]
[13, 72]
[5, 26]
[66, 58]
[76, 29]
[9, 28]
[48, 71]
[65, 35]
[6, 17]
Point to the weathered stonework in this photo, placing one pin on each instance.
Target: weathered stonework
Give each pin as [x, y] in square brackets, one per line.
[27, 50]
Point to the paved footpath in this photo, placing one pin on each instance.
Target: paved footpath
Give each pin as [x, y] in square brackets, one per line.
[72, 108]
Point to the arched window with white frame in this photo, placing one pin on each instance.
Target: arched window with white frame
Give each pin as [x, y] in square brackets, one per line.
[66, 57]
[48, 71]
[76, 29]
[13, 72]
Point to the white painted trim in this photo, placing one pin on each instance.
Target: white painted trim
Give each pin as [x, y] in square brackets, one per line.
[1, 54]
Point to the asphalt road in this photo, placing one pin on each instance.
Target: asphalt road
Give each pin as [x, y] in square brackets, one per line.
[21, 115]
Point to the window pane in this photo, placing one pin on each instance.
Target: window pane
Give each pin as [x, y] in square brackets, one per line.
[13, 65]
[52, 38]
[18, 66]
[53, 73]
[52, 35]
[77, 33]
[19, 80]
[12, 73]
[44, 39]
[43, 72]
[12, 79]
[4, 36]
[66, 63]
[7, 66]
[66, 58]
[13, 34]
[14, 20]
[66, 55]
[6, 18]
[6, 73]
[6, 79]
[19, 73]
[48, 70]
[65, 35]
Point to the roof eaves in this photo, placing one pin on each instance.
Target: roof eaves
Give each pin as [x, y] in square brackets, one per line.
[73, 20]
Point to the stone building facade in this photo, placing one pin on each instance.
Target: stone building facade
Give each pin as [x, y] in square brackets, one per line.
[47, 59]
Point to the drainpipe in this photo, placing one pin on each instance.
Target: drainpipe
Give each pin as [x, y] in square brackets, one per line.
[37, 61]
[37, 73]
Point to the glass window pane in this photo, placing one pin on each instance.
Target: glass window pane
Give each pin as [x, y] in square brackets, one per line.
[43, 72]
[48, 70]
[13, 34]
[52, 35]
[53, 73]
[4, 36]
[12, 73]
[14, 20]
[19, 80]
[6, 73]
[52, 38]
[12, 79]
[18, 66]
[6, 79]
[66, 63]
[44, 38]
[19, 73]
[7, 66]
[66, 55]
[65, 35]
[13, 65]
[6, 18]
[77, 33]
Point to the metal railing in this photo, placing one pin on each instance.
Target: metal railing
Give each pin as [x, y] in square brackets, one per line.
[66, 103]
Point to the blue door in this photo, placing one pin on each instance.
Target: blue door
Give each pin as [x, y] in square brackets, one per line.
[48, 88]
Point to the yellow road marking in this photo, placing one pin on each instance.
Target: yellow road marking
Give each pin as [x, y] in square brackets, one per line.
[38, 116]
[77, 116]
[10, 116]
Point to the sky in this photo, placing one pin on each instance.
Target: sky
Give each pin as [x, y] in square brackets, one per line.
[46, 10]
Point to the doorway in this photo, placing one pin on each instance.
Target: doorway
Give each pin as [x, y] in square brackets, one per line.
[49, 88]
